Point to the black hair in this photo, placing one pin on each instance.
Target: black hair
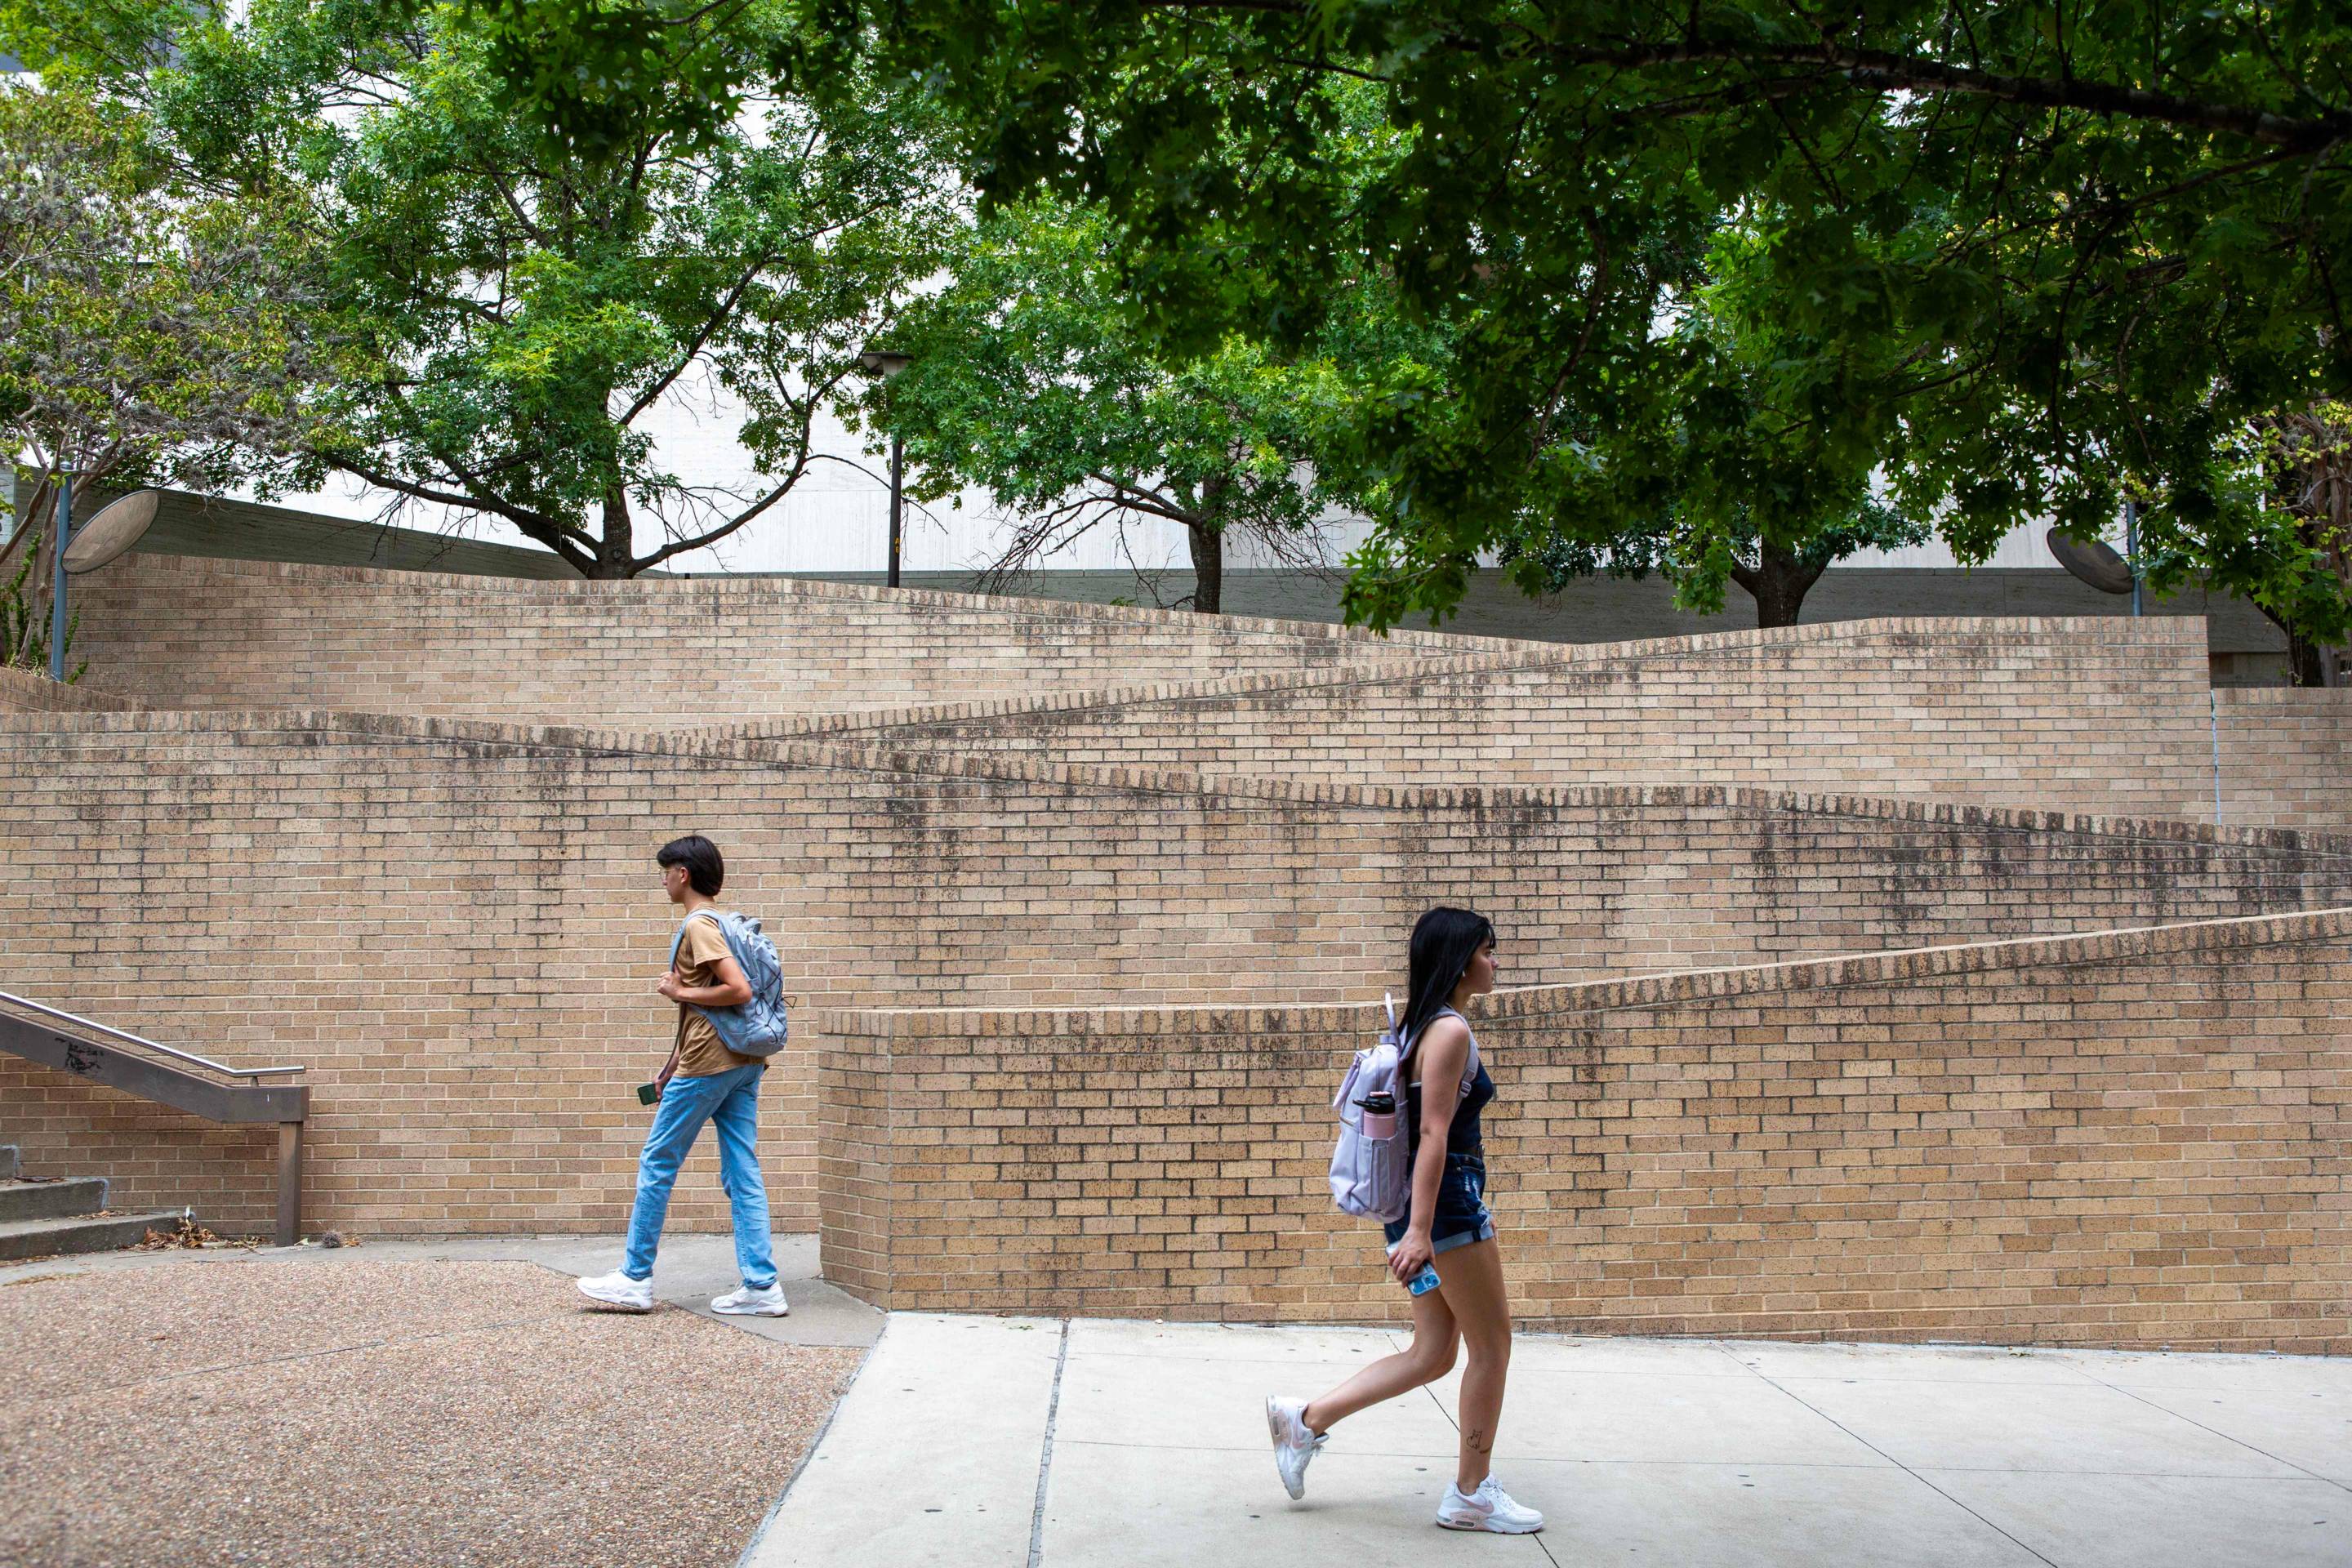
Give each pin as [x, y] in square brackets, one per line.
[705, 871]
[1445, 940]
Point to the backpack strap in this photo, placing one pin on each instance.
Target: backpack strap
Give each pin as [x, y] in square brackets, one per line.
[1407, 1103]
[679, 940]
[1470, 1068]
[1347, 1084]
[669, 1068]
[1406, 1048]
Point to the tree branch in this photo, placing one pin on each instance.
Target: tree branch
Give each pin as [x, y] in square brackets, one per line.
[1143, 498]
[1041, 533]
[806, 409]
[680, 546]
[1885, 70]
[701, 336]
[557, 536]
[1882, 70]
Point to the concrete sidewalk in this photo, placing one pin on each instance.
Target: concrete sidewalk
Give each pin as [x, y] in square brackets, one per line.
[1001, 1443]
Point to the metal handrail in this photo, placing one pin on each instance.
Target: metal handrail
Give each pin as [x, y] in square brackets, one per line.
[142, 1040]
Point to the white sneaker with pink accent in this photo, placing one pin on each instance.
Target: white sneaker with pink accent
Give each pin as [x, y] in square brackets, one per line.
[1490, 1507]
[1293, 1444]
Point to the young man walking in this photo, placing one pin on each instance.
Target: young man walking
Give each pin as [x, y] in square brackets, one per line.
[704, 1082]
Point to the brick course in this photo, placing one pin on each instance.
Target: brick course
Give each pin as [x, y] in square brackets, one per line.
[399, 829]
[2109, 716]
[25, 691]
[2133, 1139]
[180, 632]
[2101, 715]
[2284, 755]
[454, 925]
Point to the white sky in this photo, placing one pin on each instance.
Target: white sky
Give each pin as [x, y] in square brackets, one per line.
[837, 517]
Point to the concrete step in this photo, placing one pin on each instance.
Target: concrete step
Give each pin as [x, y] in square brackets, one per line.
[9, 1167]
[51, 1200]
[95, 1233]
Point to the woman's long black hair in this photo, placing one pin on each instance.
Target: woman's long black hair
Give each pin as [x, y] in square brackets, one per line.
[1445, 940]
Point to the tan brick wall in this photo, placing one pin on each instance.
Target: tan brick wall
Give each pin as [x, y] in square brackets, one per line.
[183, 632]
[2132, 1139]
[2102, 715]
[454, 925]
[2110, 716]
[25, 691]
[2285, 756]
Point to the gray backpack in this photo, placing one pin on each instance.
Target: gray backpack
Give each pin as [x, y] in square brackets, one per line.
[757, 1027]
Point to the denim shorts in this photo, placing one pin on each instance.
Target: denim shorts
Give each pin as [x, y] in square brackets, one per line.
[1462, 1218]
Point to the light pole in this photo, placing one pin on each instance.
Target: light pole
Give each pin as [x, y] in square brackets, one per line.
[57, 578]
[887, 364]
[2131, 548]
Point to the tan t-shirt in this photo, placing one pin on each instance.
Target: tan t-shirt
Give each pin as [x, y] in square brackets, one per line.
[699, 1050]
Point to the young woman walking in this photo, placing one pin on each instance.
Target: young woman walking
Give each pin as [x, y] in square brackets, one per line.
[1448, 1228]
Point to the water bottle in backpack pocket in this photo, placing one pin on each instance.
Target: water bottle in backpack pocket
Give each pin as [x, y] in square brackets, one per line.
[1369, 1173]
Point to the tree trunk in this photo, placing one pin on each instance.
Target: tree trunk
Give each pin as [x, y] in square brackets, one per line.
[1778, 582]
[2305, 662]
[615, 550]
[34, 506]
[41, 518]
[1208, 568]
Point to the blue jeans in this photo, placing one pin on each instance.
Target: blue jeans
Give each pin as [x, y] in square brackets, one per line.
[729, 1101]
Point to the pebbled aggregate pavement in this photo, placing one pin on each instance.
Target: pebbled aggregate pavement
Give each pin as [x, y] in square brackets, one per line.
[467, 1414]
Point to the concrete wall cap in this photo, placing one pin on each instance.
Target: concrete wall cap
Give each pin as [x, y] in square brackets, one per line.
[1070, 1027]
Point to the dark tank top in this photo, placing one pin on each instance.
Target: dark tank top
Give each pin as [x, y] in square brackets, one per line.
[1461, 1135]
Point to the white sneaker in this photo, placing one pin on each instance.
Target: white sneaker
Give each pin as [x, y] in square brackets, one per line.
[1293, 1444]
[617, 1290]
[1489, 1508]
[750, 1303]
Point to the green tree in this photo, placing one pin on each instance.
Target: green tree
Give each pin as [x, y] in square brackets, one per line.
[1701, 475]
[2029, 258]
[519, 305]
[2304, 545]
[1775, 574]
[2026, 259]
[1030, 379]
[148, 334]
[91, 40]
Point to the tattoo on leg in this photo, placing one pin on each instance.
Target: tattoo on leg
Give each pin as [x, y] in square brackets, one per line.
[1478, 1441]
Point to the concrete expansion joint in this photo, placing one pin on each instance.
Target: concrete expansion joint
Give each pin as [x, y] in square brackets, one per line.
[1045, 1454]
[1781, 1385]
[754, 1547]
